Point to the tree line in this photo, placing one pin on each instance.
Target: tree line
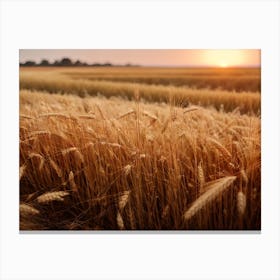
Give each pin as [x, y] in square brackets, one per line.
[68, 62]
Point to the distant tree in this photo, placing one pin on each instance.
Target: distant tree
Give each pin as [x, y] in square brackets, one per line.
[56, 63]
[78, 63]
[45, 62]
[66, 61]
[29, 63]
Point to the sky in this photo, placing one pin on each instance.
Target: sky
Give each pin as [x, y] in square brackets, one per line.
[146, 57]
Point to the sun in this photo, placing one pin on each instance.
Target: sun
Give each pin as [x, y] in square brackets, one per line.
[223, 65]
[224, 58]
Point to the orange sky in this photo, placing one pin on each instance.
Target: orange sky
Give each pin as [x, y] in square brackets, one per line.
[203, 57]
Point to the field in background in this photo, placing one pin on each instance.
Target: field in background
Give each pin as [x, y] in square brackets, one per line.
[87, 81]
[137, 156]
[232, 79]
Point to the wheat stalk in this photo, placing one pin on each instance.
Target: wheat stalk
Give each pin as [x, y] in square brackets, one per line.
[165, 125]
[201, 178]
[74, 150]
[244, 176]
[56, 168]
[165, 211]
[100, 112]
[217, 187]
[42, 160]
[73, 185]
[52, 196]
[220, 147]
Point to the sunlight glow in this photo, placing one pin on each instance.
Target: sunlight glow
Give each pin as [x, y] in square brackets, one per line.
[226, 58]
[223, 65]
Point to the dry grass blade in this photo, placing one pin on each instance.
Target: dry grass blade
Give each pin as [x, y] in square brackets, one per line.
[90, 117]
[52, 196]
[126, 114]
[191, 109]
[100, 112]
[218, 186]
[147, 114]
[241, 203]
[58, 115]
[26, 117]
[116, 145]
[26, 210]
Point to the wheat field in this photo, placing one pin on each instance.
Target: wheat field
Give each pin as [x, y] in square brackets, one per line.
[120, 155]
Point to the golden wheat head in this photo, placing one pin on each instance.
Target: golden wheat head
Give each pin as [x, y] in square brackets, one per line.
[215, 188]
[52, 196]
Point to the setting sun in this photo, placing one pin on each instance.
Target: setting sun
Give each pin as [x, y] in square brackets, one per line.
[223, 65]
[229, 58]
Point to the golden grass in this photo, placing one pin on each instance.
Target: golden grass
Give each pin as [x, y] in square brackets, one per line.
[56, 81]
[238, 79]
[143, 170]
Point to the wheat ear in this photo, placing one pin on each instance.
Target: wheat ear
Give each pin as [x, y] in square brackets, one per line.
[52, 196]
[127, 169]
[26, 210]
[216, 188]
[201, 177]
[241, 203]
[120, 221]
[21, 171]
[123, 199]
[244, 176]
